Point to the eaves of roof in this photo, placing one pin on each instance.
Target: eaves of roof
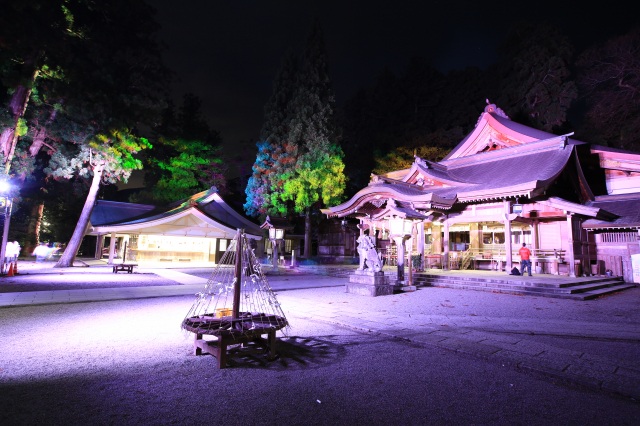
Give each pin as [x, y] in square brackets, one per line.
[379, 193]
[189, 221]
[568, 206]
[484, 193]
[213, 217]
[105, 212]
[624, 207]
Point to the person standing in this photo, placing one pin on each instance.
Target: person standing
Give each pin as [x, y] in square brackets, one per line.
[525, 258]
[16, 251]
[41, 252]
[8, 257]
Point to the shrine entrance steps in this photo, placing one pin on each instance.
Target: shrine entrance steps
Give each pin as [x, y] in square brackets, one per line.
[543, 285]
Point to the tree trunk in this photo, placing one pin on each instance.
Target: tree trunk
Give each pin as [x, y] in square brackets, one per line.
[17, 106]
[38, 140]
[40, 134]
[307, 234]
[33, 228]
[5, 141]
[69, 254]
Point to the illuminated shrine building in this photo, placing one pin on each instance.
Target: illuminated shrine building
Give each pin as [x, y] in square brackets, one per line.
[195, 230]
[575, 205]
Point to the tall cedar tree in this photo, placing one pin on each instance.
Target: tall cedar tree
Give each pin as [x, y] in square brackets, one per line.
[275, 155]
[299, 165]
[318, 176]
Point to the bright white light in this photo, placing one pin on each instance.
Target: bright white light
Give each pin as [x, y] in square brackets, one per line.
[4, 186]
[276, 233]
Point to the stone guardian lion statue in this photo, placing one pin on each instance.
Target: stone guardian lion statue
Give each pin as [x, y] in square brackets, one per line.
[369, 258]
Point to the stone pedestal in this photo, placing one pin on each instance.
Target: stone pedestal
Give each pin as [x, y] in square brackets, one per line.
[368, 283]
[401, 286]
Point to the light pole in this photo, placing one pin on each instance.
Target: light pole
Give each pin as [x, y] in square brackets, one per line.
[400, 230]
[276, 227]
[275, 235]
[6, 203]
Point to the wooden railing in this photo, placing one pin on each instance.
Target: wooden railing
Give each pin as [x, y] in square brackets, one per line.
[495, 258]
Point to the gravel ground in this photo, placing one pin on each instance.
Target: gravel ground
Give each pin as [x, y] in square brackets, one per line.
[77, 279]
[129, 363]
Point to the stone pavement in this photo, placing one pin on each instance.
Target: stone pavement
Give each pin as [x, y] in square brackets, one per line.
[595, 343]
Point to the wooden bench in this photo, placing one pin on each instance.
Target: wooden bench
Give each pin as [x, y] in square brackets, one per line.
[433, 261]
[486, 258]
[128, 267]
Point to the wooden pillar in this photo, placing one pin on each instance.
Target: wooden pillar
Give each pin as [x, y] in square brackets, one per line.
[570, 255]
[445, 243]
[534, 245]
[410, 252]
[112, 247]
[99, 246]
[475, 236]
[436, 238]
[420, 227]
[507, 236]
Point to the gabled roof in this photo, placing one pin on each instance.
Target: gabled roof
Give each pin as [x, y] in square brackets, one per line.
[204, 214]
[394, 209]
[494, 131]
[114, 211]
[522, 170]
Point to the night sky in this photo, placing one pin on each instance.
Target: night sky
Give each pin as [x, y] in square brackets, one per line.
[228, 52]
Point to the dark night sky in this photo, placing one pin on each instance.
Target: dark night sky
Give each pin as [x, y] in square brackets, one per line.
[228, 52]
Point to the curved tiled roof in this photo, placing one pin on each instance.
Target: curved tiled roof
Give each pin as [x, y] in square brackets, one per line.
[203, 214]
[499, 159]
[527, 172]
[517, 171]
[626, 208]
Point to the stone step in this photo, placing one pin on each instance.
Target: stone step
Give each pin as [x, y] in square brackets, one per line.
[579, 290]
[523, 280]
[587, 295]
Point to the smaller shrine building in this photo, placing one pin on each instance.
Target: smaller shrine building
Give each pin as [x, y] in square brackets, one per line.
[195, 230]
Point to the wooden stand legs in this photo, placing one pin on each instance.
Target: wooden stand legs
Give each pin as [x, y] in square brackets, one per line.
[218, 347]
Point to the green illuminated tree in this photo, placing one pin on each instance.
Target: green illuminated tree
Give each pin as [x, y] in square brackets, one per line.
[107, 158]
[194, 167]
[186, 157]
[402, 157]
